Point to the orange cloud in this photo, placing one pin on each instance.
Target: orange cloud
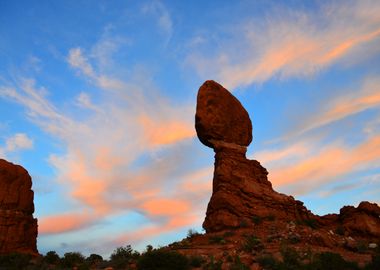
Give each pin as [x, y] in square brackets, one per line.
[63, 223]
[166, 131]
[166, 207]
[329, 164]
[292, 44]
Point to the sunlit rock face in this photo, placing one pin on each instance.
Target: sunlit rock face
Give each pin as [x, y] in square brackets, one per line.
[18, 228]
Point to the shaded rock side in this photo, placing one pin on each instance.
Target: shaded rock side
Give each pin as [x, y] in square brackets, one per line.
[18, 228]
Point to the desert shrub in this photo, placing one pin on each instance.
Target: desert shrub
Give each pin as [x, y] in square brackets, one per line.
[71, 259]
[213, 265]
[375, 264]
[257, 220]
[191, 233]
[196, 261]
[331, 261]
[339, 230]
[94, 259]
[362, 247]
[14, 261]
[267, 262]
[51, 257]
[162, 260]
[121, 256]
[312, 223]
[217, 239]
[229, 234]
[271, 217]
[252, 243]
[238, 265]
[244, 224]
[291, 259]
[294, 239]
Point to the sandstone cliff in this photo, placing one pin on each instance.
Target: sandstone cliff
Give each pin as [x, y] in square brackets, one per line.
[18, 228]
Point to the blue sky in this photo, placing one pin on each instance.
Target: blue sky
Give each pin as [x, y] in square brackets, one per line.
[97, 102]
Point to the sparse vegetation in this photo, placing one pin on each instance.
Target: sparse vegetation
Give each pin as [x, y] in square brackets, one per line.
[244, 224]
[213, 265]
[217, 239]
[160, 259]
[340, 230]
[238, 265]
[252, 243]
[257, 220]
[71, 259]
[14, 261]
[196, 261]
[121, 256]
[191, 233]
[51, 257]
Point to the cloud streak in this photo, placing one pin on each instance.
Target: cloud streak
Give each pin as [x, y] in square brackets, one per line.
[15, 143]
[292, 44]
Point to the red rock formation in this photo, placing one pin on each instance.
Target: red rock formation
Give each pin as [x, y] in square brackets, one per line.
[18, 228]
[247, 219]
[221, 117]
[241, 190]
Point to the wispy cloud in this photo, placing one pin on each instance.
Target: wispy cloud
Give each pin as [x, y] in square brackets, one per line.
[353, 102]
[101, 168]
[291, 43]
[17, 142]
[304, 171]
[164, 20]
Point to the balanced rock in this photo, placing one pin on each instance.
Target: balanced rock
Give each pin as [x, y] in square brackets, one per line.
[18, 228]
[241, 190]
[221, 117]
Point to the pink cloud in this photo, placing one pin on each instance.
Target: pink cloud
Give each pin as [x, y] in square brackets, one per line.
[62, 223]
[327, 165]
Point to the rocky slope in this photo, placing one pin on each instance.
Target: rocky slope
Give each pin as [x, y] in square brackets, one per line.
[246, 217]
[18, 228]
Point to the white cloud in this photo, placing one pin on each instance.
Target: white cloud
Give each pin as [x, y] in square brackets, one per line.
[77, 60]
[15, 143]
[164, 20]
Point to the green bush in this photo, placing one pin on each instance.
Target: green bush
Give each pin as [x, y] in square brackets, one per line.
[51, 257]
[312, 223]
[213, 265]
[238, 265]
[340, 230]
[71, 259]
[162, 260]
[252, 243]
[257, 220]
[331, 261]
[94, 259]
[196, 261]
[217, 239]
[375, 264]
[14, 261]
[191, 233]
[267, 262]
[121, 256]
